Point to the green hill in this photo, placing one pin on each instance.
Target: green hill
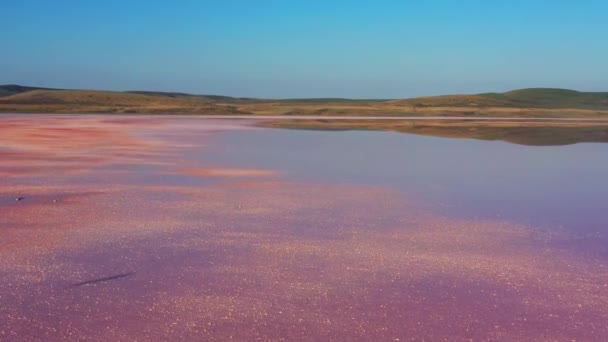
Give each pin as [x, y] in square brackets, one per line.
[550, 98]
[523, 98]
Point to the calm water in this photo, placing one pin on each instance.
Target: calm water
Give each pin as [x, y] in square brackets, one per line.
[180, 229]
[551, 187]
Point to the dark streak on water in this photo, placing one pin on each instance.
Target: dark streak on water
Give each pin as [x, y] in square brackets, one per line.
[102, 280]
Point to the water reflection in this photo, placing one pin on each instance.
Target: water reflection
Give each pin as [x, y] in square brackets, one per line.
[533, 133]
[557, 186]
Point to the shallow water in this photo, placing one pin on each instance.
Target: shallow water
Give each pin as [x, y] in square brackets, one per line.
[177, 228]
[553, 187]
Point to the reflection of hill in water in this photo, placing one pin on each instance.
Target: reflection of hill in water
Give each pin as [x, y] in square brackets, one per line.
[538, 136]
[533, 134]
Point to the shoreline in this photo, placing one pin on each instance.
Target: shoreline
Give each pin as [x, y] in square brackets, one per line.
[321, 117]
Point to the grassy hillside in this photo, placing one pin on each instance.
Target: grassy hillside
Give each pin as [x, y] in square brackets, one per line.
[524, 103]
[208, 98]
[87, 101]
[551, 98]
[523, 98]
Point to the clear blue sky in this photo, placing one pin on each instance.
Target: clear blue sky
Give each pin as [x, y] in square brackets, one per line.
[306, 48]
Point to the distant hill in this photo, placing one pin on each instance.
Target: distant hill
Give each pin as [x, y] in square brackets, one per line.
[523, 98]
[551, 98]
[12, 89]
[524, 102]
[214, 98]
[44, 100]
